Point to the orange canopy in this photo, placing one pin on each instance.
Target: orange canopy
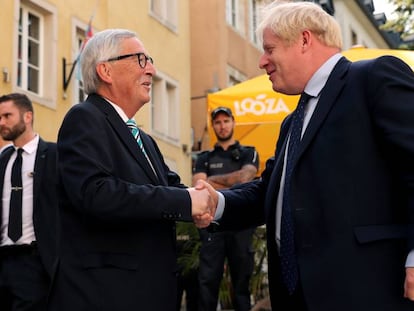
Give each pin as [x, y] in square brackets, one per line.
[259, 111]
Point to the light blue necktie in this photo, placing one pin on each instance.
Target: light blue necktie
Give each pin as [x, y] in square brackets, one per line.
[135, 132]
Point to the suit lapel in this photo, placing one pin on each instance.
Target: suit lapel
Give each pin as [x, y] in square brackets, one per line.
[153, 155]
[325, 103]
[39, 168]
[125, 136]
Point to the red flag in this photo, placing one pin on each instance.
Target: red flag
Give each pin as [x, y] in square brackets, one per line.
[88, 35]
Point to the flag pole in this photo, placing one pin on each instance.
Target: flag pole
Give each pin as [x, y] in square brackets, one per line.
[67, 80]
[88, 35]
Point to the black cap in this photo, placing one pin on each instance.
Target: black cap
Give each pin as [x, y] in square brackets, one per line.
[218, 110]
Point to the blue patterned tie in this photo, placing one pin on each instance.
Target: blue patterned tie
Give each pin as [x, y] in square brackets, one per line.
[287, 244]
[135, 131]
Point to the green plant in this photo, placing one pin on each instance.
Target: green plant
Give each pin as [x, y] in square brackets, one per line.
[258, 281]
[189, 244]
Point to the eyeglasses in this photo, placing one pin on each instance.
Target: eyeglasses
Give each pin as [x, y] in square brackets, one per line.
[142, 58]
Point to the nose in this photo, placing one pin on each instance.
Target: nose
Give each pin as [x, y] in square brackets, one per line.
[263, 61]
[150, 68]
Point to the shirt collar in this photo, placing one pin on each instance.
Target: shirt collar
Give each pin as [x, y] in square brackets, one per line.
[118, 110]
[31, 146]
[233, 146]
[319, 78]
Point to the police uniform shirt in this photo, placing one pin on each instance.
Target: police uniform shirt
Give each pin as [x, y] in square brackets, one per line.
[219, 161]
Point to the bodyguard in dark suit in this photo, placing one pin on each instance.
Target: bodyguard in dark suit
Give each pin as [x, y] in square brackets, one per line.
[351, 185]
[118, 201]
[26, 256]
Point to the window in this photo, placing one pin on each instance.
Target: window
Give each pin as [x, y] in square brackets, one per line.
[236, 15]
[81, 33]
[36, 42]
[166, 12]
[231, 13]
[29, 51]
[234, 76]
[80, 40]
[165, 106]
[232, 81]
[354, 38]
[253, 15]
[255, 10]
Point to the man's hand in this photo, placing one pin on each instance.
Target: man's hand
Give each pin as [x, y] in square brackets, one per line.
[203, 203]
[409, 283]
[201, 185]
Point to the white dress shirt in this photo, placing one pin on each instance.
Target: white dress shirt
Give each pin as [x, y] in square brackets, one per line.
[29, 157]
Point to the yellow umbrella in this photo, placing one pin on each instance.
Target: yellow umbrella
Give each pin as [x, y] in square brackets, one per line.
[259, 111]
[359, 53]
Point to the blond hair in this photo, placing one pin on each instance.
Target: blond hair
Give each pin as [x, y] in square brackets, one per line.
[288, 19]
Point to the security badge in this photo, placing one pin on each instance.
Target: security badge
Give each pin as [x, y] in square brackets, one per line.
[216, 165]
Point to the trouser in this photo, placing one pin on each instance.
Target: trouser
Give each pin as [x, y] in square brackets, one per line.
[188, 283]
[24, 283]
[236, 246]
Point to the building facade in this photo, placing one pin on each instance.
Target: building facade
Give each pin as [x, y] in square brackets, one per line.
[198, 46]
[225, 50]
[41, 40]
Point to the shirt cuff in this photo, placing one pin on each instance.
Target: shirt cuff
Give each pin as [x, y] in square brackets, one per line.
[410, 260]
[220, 206]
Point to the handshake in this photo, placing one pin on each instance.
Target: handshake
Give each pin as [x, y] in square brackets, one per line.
[204, 199]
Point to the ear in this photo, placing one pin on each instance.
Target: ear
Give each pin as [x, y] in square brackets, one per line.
[104, 72]
[28, 117]
[306, 39]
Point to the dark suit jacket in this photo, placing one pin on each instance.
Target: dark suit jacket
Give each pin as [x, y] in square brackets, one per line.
[45, 203]
[117, 246]
[352, 191]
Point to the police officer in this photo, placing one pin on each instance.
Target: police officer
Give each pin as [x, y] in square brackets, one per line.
[227, 164]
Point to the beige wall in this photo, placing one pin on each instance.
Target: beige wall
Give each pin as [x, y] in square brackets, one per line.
[214, 46]
[169, 48]
[196, 55]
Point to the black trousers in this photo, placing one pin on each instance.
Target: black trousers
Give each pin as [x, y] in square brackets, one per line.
[188, 283]
[24, 283]
[236, 246]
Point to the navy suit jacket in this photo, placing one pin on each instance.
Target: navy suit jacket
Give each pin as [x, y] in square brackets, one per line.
[352, 191]
[45, 203]
[117, 246]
